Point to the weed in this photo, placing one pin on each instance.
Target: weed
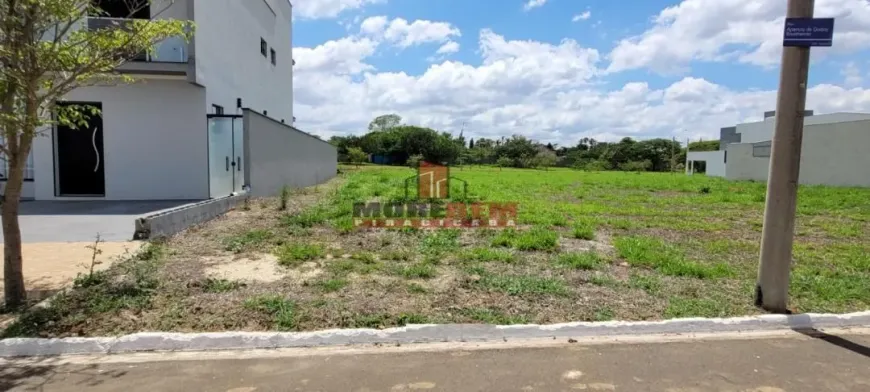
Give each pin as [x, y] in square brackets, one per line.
[584, 261]
[417, 271]
[695, 307]
[704, 190]
[441, 240]
[583, 231]
[493, 316]
[524, 284]
[603, 314]
[281, 309]
[306, 219]
[364, 257]
[537, 238]
[487, 255]
[416, 288]
[505, 238]
[284, 197]
[247, 240]
[293, 254]
[397, 255]
[603, 280]
[332, 285]
[212, 285]
[649, 283]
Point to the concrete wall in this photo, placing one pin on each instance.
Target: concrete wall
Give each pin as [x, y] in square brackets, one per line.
[277, 155]
[227, 55]
[154, 142]
[833, 154]
[715, 161]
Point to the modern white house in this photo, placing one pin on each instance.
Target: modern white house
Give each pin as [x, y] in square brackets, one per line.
[175, 134]
[833, 150]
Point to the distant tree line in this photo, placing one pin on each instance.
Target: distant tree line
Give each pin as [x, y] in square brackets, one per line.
[391, 142]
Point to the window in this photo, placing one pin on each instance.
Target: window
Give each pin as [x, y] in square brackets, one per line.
[761, 150]
[218, 109]
[726, 156]
[4, 165]
[263, 47]
[274, 57]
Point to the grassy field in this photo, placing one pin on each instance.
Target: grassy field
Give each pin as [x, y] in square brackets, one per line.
[589, 246]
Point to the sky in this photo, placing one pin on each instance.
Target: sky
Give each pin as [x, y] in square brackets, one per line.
[560, 70]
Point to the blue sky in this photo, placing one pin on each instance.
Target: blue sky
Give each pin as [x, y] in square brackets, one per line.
[559, 70]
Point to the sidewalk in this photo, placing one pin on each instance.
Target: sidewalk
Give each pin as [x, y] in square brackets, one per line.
[788, 361]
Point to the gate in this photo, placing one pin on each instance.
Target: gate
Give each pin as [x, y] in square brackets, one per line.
[225, 155]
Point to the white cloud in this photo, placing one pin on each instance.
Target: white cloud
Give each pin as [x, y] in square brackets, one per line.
[316, 9]
[852, 75]
[582, 16]
[404, 34]
[727, 30]
[449, 47]
[533, 4]
[550, 92]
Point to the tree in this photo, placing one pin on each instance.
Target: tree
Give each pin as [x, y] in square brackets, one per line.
[357, 155]
[504, 162]
[545, 159]
[385, 122]
[45, 53]
[471, 144]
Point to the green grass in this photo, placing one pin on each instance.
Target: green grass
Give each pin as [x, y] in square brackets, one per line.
[696, 307]
[650, 283]
[420, 270]
[535, 239]
[294, 253]
[282, 310]
[494, 316]
[582, 261]
[332, 285]
[523, 284]
[247, 240]
[487, 255]
[657, 254]
[212, 285]
[584, 230]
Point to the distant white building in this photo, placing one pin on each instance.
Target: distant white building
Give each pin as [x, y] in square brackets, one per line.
[834, 150]
[174, 134]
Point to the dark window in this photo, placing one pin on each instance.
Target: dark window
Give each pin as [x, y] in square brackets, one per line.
[218, 109]
[274, 56]
[263, 47]
[130, 9]
[726, 156]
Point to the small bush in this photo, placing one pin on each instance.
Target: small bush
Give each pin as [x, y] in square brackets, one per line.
[583, 261]
[292, 254]
[704, 190]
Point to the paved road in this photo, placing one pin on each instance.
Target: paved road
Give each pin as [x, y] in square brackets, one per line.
[80, 221]
[785, 363]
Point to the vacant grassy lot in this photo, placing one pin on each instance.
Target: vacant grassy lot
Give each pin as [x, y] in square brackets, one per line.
[590, 246]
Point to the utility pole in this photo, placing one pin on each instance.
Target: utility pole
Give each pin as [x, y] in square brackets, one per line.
[777, 238]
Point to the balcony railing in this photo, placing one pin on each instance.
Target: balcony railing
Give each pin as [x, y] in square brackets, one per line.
[170, 50]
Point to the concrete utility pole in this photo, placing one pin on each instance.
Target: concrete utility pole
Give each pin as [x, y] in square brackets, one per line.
[771, 291]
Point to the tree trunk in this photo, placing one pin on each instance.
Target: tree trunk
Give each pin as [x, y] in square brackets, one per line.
[13, 276]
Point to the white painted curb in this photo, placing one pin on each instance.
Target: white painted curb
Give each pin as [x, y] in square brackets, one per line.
[422, 333]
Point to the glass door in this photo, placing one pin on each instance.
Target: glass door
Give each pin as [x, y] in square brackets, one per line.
[220, 156]
[238, 154]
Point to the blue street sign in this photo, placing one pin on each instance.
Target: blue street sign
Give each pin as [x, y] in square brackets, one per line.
[807, 32]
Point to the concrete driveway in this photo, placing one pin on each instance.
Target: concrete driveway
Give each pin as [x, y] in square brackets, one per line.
[80, 221]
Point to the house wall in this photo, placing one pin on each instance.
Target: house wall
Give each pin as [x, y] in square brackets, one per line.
[832, 154]
[715, 161]
[277, 155]
[228, 59]
[763, 130]
[154, 139]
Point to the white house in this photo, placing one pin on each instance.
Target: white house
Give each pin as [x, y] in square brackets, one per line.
[172, 135]
[833, 150]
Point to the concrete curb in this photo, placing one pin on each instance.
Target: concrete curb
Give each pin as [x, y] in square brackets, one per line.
[423, 333]
[173, 221]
